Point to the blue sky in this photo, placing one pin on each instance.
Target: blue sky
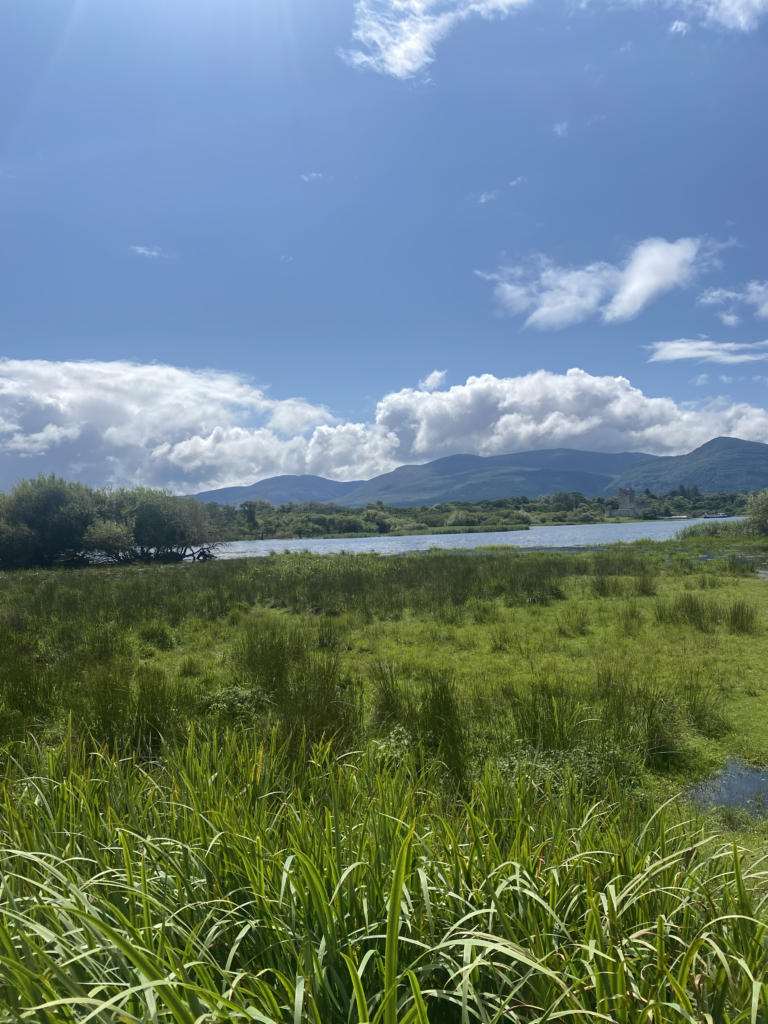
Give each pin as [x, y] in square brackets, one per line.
[318, 221]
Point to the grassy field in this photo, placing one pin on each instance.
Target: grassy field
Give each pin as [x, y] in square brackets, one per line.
[428, 787]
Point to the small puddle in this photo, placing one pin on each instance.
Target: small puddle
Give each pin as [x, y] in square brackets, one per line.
[737, 785]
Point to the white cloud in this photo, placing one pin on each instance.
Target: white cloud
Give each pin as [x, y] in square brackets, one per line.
[756, 294]
[486, 197]
[556, 297]
[730, 319]
[192, 430]
[753, 294]
[701, 380]
[150, 251]
[400, 35]
[311, 176]
[433, 380]
[560, 129]
[516, 181]
[707, 351]
[655, 266]
[741, 15]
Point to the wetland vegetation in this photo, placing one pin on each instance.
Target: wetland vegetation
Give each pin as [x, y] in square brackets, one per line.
[346, 788]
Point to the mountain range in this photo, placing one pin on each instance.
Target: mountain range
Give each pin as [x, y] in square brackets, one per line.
[723, 464]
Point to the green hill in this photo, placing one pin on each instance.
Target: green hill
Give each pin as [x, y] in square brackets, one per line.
[279, 490]
[725, 464]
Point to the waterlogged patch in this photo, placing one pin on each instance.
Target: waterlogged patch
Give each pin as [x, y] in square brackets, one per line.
[738, 786]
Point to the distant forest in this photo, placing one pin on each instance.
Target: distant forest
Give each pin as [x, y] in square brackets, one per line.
[48, 521]
[260, 519]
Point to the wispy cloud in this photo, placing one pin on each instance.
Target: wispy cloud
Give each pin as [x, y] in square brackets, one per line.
[487, 197]
[560, 129]
[555, 297]
[398, 37]
[149, 251]
[517, 181]
[754, 294]
[730, 319]
[707, 351]
[701, 380]
[311, 176]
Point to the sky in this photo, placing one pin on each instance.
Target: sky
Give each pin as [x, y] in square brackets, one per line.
[240, 238]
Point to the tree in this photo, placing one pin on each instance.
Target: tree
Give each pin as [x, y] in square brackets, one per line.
[757, 512]
[44, 520]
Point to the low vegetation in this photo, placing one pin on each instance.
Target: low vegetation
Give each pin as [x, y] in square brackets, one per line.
[432, 787]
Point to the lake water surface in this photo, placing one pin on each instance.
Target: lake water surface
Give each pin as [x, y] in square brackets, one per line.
[536, 537]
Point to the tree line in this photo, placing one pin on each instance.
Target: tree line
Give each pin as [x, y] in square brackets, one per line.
[48, 520]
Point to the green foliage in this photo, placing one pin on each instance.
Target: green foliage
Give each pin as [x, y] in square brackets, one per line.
[237, 881]
[48, 521]
[757, 513]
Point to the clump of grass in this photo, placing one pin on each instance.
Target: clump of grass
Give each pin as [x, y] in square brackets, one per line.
[156, 635]
[691, 609]
[646, 581]
[740, 617]
[703, 706]
[499, 637]
[191, 667]
[573, 621]
[630, 619]
[441, 722]
[606, 586]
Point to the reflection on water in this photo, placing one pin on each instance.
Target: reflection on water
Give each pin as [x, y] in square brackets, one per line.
[536, 537]
[738, 785]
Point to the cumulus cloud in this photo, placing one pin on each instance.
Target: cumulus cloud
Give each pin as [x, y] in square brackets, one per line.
[399, 36]
[707, 351]
[730, 319]
[556, 297]
[433, 380]
[190, 430]
[754, 294]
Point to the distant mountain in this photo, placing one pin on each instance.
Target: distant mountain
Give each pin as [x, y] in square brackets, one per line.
[454, 478]
[279, 490]
[723, 464]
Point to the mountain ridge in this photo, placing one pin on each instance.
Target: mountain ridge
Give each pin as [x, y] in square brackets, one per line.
[727, 464]
[451, 478]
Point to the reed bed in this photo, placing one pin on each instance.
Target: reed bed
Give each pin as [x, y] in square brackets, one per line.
[236, 880]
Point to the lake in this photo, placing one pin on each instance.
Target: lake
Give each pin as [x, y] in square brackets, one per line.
[536, 537]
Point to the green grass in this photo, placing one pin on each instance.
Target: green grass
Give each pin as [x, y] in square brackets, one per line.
[426, 787]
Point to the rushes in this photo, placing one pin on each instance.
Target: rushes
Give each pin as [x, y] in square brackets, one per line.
[705, 614]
